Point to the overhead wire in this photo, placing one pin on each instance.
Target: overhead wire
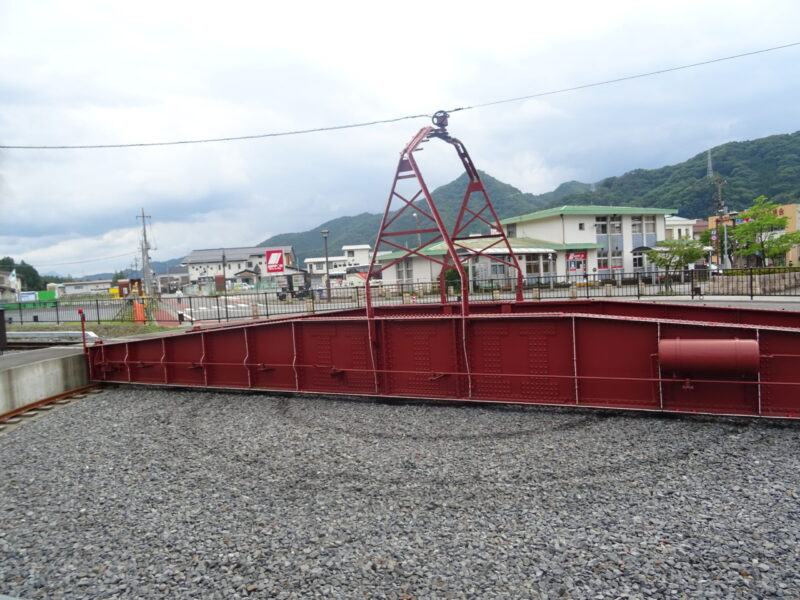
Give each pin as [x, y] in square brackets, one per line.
[626, 78]
[403, 118]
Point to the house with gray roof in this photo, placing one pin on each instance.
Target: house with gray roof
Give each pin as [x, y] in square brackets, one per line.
[240, 265]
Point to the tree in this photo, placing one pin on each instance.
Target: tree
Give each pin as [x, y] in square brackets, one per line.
[117, 276]
[675, 254]
[31, 280]
[758, 233]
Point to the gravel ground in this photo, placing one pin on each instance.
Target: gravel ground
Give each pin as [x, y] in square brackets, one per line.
[142, 493]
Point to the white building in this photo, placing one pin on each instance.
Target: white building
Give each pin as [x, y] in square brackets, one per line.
[349, 267]
[241, 265]
[9, 287]
[566, 241]
[678, 228]
[89, 286]
[613, 237]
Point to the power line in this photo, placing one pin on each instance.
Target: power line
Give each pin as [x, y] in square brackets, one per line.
[627, 78]
[212, 140]
[407, 117]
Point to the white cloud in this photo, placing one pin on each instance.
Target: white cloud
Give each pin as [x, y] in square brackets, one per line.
[90, 72]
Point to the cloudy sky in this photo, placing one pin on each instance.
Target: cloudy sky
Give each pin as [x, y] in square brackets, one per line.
[81, 72]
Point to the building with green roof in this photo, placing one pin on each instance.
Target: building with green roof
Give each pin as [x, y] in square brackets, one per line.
[572, 241]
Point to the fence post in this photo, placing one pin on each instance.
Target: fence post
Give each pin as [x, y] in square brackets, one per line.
[219, 314]
[97, 310]
[751, 283]
[691, 282]
[586, 282]
[19, 306]
[266, 304]
[58, 322]
[638, 286]
[191, 311]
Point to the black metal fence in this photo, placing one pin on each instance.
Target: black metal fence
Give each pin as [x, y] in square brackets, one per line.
[177, 310]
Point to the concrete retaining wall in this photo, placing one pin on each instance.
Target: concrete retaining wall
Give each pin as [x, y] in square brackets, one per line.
[27, 377]
[762, 284]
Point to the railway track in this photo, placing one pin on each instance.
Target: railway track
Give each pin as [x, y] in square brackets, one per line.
[34, 344]
[23, 414]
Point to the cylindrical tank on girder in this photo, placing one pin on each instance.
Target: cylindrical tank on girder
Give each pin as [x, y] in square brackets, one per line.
[723, 357]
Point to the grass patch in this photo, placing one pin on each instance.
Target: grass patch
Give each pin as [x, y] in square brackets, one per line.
[104, 330]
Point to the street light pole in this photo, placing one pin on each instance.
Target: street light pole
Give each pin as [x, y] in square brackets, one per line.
[325, 233]
[419, 245]
[419, 235]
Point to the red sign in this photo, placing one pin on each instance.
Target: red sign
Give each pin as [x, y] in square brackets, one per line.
[274, 261]
[576, 255]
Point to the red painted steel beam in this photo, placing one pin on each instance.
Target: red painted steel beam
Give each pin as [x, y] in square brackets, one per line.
[573, 353]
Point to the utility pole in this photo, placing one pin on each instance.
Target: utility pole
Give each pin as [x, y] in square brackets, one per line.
[722, 211]
[147, 272]
[325, 233]
[224, 273]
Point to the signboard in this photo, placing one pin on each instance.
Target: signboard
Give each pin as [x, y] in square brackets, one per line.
[275, 261]
[576, 255]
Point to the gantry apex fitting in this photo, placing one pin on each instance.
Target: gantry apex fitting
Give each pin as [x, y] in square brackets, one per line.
[440, 118]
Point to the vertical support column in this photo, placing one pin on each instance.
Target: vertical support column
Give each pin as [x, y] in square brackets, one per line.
[294, 358]
[373, 342]
[575, 363]
[660, 376]
[758, 375]
[125, 361]
[246, 361]
[465, 346]
[203, 357]
[164, 358]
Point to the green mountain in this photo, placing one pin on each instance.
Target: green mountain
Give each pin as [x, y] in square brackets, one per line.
[768, 166]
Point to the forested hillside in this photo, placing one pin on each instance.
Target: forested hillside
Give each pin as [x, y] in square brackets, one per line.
[767, 166]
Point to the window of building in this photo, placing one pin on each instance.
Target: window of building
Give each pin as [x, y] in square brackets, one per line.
[511, 230]
[581, 226]
[636, 225]
[615, 224]
[498, 268]
[616, 258]
[650, 224]
[249, 263]
[638, 260]
[602, 258]
[532, 264]
[601, 225]
[405, 270]
[350, 253]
